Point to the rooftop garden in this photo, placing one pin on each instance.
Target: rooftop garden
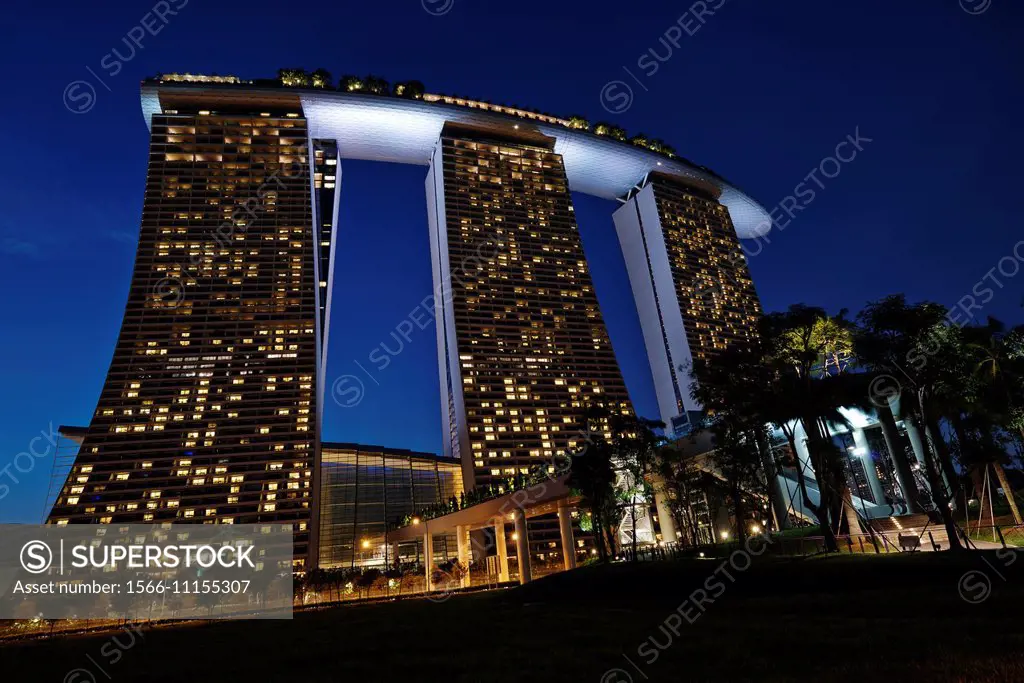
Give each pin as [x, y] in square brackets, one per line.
[415, 90]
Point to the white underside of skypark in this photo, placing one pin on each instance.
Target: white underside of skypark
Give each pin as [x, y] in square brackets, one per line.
[391, 129]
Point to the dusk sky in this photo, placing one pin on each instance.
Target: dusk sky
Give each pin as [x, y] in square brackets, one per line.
[760, 92]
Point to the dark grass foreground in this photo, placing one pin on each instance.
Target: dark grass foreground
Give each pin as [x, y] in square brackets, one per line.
[887, 618]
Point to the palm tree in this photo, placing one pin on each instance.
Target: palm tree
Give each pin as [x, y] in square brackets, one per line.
[810, 397]
[835, 339]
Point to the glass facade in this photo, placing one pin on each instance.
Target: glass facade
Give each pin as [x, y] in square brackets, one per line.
[208, 412]
[364, 489]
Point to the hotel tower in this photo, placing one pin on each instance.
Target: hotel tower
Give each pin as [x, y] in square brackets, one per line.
[210, 411]
[690, 281]
[522, 347]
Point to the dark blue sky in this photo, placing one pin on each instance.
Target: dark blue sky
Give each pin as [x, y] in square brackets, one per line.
[761, 93]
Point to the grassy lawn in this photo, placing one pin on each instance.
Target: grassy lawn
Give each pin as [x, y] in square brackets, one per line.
[849, 618]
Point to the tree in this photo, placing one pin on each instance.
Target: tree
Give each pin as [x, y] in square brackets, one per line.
[294, 78]
[640, 140]
[321, 78]
[592, 477]
[376, 85]
[366, 579]
[736, 456]
[737, 390]
[996, 401]
[916, 343]
[683, 485]
[579, 123]
[610, 130]
[350, 83]
[659, 145]
[806, 393]
[835, 339]
[634, 449]
[412, 90]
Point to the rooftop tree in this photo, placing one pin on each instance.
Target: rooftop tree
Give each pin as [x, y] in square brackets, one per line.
[412, 90]
[579, 123]
[609, 130]
[321, 78]
[294, 78]
[640, 140]
[376, 85]
[349, 83]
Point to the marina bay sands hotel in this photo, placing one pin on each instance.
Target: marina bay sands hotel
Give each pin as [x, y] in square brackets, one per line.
[211, 409]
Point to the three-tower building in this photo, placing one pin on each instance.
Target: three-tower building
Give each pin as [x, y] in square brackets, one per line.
[211, 409]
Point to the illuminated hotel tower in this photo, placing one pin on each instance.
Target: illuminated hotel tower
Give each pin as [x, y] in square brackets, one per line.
[690, 281]
[209, 412]
[521, 342]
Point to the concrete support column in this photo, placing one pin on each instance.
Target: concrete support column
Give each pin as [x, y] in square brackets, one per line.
[522, 547]
[568, 542]
[428, 559]
[499, 540]
[920, 445]
[462, 539]
[665, 519]
[860, 440]
[894, 443]
[779, 497]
